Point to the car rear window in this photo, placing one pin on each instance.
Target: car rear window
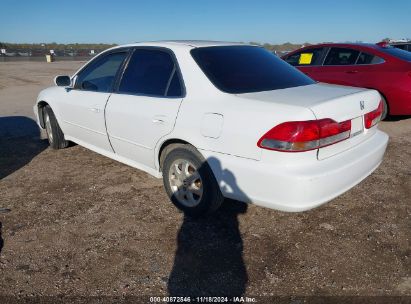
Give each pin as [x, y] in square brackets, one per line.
[401, 54]
[246, 69]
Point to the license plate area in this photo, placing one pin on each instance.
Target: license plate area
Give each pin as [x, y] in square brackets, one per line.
[357, 126]
[356, 137]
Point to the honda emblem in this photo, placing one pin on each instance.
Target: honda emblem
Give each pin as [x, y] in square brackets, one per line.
[362, 104]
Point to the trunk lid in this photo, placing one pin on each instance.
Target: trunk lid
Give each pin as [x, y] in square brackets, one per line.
[339, 103]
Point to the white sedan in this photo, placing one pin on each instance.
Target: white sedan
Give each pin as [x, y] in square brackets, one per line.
[218, 120]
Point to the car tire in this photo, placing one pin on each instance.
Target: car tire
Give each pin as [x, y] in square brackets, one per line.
[190, 182]
[385, 108]
[54, 133]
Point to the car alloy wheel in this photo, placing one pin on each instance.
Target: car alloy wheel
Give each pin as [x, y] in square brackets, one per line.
[49, 129]
[185, 183]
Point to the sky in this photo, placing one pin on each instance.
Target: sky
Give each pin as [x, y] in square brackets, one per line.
[123, 21]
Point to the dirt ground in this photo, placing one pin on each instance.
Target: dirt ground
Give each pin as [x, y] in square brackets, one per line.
[84, 225]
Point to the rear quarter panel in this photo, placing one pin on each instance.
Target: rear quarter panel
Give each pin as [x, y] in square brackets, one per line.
[244, 122]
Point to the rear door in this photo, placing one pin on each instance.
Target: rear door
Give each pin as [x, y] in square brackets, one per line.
[145, 105]
[339, 66]
[365, 71]
[307, 60]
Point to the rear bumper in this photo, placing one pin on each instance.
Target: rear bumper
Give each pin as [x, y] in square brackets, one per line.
[288, 187]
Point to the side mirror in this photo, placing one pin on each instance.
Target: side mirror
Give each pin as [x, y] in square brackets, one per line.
[62, 81]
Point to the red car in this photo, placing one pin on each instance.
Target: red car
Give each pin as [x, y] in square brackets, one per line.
[374, 66]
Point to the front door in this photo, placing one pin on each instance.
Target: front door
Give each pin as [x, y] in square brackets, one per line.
[339, 67]
[307, 60]
[82, 108]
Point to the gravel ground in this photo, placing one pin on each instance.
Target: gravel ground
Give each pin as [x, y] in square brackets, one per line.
[84, 225]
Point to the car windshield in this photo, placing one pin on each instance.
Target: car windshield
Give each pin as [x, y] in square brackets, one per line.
[246, 69]
[401, 54]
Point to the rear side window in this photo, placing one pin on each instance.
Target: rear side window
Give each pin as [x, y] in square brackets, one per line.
[306, 57]
[100, 74]
[366, 58]
[341, 56]
[151, 72]
[245, 69]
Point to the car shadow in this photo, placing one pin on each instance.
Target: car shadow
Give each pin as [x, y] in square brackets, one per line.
[19, 143]
[209, 256]
[397, 117]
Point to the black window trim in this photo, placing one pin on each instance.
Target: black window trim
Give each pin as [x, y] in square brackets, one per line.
[98, 57]
[170, 79]
[325, 56]
[176, 69]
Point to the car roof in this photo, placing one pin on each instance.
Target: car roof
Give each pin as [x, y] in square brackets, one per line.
[183, 43]
[347, 44]
[376, 47]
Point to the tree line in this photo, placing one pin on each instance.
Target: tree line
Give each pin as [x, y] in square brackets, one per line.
[102, 46]
[56, 46]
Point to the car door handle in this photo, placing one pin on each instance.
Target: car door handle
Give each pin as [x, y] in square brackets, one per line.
[352, 72]
[94, 110]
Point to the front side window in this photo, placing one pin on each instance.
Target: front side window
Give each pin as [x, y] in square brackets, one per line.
[151, 72]
[306, 57]
[246, 69]
[341, 56]
[100, 74]
[366, 58]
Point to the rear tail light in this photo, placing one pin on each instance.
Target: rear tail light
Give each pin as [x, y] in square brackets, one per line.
[372, 118]
[300, 136]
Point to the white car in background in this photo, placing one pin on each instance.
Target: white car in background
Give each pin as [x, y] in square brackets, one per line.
[218, 120]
